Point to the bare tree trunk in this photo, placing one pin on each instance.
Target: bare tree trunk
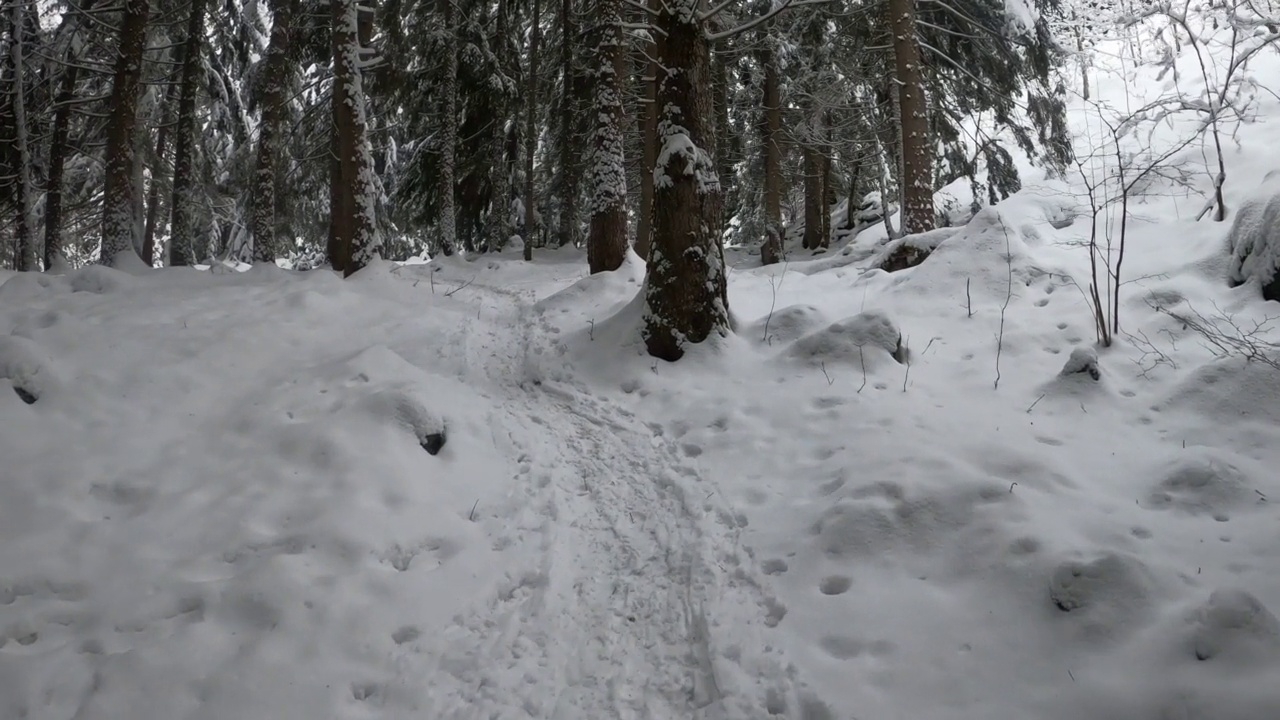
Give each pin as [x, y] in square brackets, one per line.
[686, 291]
[274, 105]
[355, 226]
[448, 220]
[812, 193]
[913, 114]
[498, 227]
[771, 136]
[607, 241]
[824, 180]
[26, 257]
[158, 170]
[649, 151]
[118, 225]
[531, 131]
[570, 106]
[184, 238]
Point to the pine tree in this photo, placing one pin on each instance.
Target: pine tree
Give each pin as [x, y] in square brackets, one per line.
[686, 291]
[607, 240]
[187, 244]
[355, 224]
[277, 72]
[120, 233]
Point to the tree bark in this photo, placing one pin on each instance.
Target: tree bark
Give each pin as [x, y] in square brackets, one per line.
[355, 226]
[157, 172]
[531, 131]
[770, 137]
[448, 221]
[499, 223]
[649, 150]
[118, 222]
[607, 240]
[571, 87]
[812, 193]
[686, 292]
[26, 257]
[274, 105]
[184, 240]
[913, 120]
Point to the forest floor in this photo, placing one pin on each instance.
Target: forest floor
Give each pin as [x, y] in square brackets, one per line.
[215, 500]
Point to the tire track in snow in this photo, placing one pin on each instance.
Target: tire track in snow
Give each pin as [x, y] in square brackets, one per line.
[640, 606]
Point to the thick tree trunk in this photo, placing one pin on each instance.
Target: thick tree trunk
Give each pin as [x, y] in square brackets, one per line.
[118, 223]
[58, 147]
[187, 244]
[531, 131]
[913, 117]
[607, 240]
[771, 137]
[274, 105]
[498, 227]
[649, 150]
[27, 257]
[686, 294]
[571, 87]
[355, 226]
[448, 221]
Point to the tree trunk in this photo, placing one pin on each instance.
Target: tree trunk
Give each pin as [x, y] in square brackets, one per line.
[724, 139]
[770, 137]
[607, 241]
[58, 147]
[649, 151]
[499, 223]
[812, 193]
[571, 87]
[274, 105]
[355, 226]
[26, 258]
[185, 243]
[118, 226]
[913, 118]
[157, 171]
[686, 292]
[448, 220]
[531, 131]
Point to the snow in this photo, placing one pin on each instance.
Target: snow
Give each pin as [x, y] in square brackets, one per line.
[216, 499]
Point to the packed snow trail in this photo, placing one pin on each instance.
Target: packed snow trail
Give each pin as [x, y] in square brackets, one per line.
[620, 619]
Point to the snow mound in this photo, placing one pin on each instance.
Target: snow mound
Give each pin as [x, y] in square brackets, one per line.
[861, 339]
[786, 325]
[1254, 238]
[99, 280]
[1229, 391]
[23, 287]
[27, 367]
[885, 517]
[1235, 626]
[1106, 595]
[601, 293]
[908, 252]
[1204, 481]
[1083, 361]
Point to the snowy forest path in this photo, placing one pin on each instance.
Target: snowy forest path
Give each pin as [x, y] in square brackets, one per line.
[619, 619]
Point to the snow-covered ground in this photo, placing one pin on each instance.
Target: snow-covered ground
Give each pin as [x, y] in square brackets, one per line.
[215, 499]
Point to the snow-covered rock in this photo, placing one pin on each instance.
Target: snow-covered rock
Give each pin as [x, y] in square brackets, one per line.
[1254, 238]
[857, 340]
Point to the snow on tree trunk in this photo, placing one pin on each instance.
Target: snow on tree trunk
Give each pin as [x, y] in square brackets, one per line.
[531, 132]
[354, 223]
[188, 245]
[607, 241]
[685, 293]
[274, 103]
[448, 220]
[26, 258]
[913, 116]
[118, 226]
[649, 151]
[498, 226]
[572, 87]
[770, 139]
[157, 171]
